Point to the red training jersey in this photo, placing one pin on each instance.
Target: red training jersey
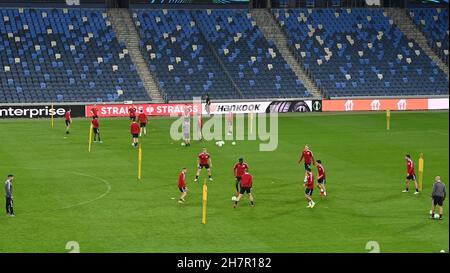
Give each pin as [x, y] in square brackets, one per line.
[310, 181]
[239, 169]
[320, 171]
[95, 123]
[143, 118]
[410, 167]
[182, 180]
[204, 158]
[132, 112]
[230, 116]
[68, 116]
[247, 180]
[94, 111]
[134, 128]
[308, 156]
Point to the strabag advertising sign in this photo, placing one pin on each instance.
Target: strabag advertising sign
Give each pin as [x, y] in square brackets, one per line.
[121, 110]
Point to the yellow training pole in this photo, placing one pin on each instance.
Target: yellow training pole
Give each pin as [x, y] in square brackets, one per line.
[421, 162]
[52, 115]
[140, 162]
[388, 119]
[90, 138]
[204, 199]
[251, 123]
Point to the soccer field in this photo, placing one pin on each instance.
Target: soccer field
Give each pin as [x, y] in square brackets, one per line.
[63, 193]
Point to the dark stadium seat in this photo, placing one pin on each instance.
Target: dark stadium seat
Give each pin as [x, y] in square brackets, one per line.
[64, 55]
[434, 24]
[359, 52]
[182, 48]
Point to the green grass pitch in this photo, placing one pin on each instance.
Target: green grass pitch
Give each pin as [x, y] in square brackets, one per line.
[63, 193]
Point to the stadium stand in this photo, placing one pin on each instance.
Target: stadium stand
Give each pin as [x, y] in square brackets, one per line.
[180, 45]
[359, 52]
[434, 24]
[254, 63]
[179, 57]
[64, 55]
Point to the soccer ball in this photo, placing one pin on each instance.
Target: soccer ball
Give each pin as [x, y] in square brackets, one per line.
[183, 144]
[436, 216]
[233, 198]
[220, 143]
[233, 143]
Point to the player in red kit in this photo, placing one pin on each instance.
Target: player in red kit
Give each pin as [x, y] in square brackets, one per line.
[182, 185]
[68, 119]
[143, 119]
[321, 178]
[132, 112]
[94, 111]
[309, 184]
[200, 127]
[204, 161]
[411, 174]
[308, 156]
[239, 170]
[246, 187]
[230, 120]
[134, 129]
[96, 129]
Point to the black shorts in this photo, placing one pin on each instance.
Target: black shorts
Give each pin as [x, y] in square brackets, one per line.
[96, 130]
[307, 166]
[322, 181]
[182, 189]
[438, 200]
[133, 118]
[309, 192]
[135, 135]
[245, 190]
[411, 177]
[142, 125]
[201, 166]
[67, 122]
[238, 179]
[94, 117]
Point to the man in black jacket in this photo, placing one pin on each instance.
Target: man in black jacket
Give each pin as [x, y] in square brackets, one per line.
[9, 196]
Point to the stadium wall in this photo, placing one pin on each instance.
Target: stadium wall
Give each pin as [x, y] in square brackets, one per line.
[219, 108]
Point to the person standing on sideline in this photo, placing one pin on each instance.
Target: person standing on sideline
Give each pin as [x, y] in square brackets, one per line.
[230, 120]
[410, 175]
[438, 197]
[68, 119]
[182, 185]
[186, 127]
[96, 129]
[207, 104]
[9, 196]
